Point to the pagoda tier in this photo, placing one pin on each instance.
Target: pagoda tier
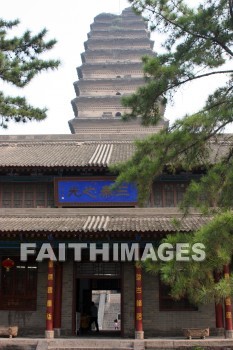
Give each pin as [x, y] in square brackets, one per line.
[99, 107]
[127, 25]
[111, 68]
[121, 43]
[106, 18]
[115, 55]
[115, 19]
[119, 33]
[104, 87]
[111, 129]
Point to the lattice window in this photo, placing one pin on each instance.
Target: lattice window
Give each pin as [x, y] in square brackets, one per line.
[18, 197]
[6, 196]
[180, 191]
[18, 289]
[29, 196]
[158, 196]
[168, 194]
[26, 195]
[40, 195]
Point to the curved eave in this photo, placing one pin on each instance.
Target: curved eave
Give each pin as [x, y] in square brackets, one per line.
[80, 73]
[76, 88]
[74, 106]
[83, 57]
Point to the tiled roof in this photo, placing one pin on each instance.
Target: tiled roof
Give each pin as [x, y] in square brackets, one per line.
[63, 153]
[67, 151]
[104, 220]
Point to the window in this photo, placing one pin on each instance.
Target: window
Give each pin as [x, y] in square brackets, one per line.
[168, 194]
[29, 196]
[40, 196]
[26, 195]
[169, 199]
[180, 191]
[18, 197]
[167, 303]
[18, 286]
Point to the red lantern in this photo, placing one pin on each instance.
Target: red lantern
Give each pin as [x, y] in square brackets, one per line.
[8, 264]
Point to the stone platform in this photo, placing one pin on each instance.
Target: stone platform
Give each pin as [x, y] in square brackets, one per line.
[115, 344]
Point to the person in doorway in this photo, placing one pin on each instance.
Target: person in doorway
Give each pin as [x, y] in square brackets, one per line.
[116, 325]
[94, 316]
[78, 321]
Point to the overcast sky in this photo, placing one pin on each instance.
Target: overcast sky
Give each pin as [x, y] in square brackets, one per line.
[69, 22]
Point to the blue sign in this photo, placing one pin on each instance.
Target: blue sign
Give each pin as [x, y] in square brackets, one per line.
[95, 191]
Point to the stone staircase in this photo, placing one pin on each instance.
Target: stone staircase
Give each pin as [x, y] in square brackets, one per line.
[101, 309]
[112, 309]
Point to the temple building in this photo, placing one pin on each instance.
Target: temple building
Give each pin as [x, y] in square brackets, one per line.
[56, 189]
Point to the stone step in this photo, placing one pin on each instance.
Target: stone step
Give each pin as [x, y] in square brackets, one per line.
[89, 348]
[106, 344]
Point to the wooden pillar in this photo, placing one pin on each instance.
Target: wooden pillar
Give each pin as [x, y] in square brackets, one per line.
[219, 316]
[57, 299]
[219, 319]
[49, 333]
[139, 334]
[227, 302]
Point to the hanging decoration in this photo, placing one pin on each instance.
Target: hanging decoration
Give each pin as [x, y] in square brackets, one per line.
[8, 264]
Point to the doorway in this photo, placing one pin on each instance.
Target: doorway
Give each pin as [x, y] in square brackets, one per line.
[105, 291]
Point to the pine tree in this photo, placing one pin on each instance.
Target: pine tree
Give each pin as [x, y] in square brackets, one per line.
[198, 44]
[19, 63]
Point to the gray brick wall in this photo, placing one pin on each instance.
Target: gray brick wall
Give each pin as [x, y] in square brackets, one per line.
[128, 299]
[156, 322]
[67, 297]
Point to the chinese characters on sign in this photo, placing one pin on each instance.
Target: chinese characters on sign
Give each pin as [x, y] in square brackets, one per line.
[95, 191]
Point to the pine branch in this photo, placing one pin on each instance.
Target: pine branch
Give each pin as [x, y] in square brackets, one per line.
[231, 9]
[19, 63]
[17, 109]
[196, 77]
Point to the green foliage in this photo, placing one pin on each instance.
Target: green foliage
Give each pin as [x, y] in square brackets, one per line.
[19, 63]
[198, 44]
[197, 279]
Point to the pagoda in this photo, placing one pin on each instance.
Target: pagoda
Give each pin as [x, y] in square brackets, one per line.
[111, 68]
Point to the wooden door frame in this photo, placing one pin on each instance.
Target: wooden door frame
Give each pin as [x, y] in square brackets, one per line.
[74, 301]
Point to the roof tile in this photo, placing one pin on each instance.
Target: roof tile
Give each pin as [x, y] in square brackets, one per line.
[99, 223]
